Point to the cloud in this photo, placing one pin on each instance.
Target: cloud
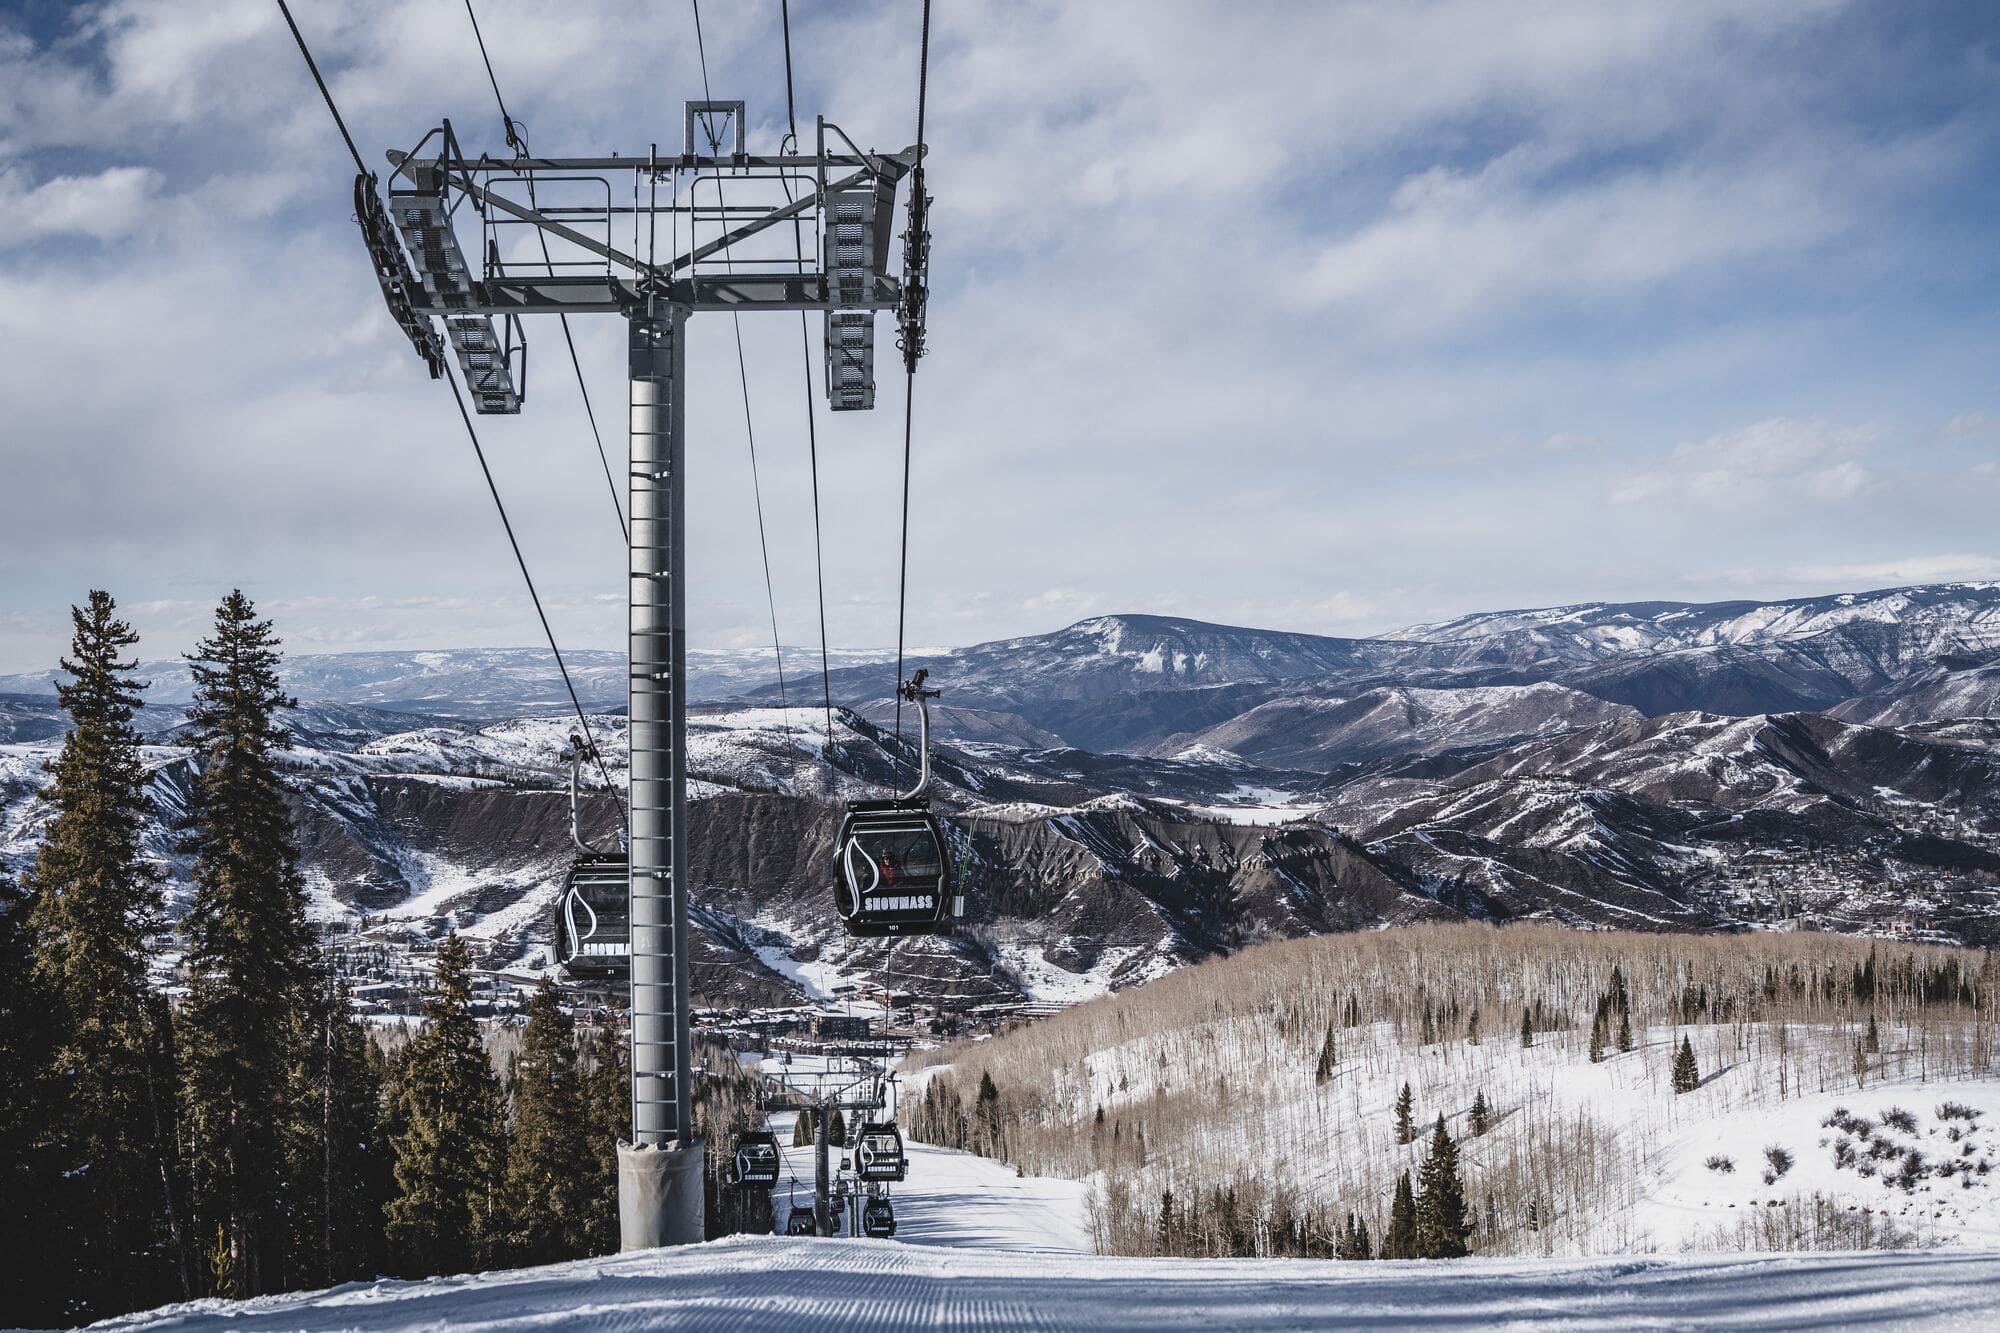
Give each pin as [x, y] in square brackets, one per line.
[1780, 459]
[1292, 313]
[1976, 422]
[106, 206]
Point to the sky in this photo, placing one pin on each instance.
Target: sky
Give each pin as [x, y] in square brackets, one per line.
[1330, 317]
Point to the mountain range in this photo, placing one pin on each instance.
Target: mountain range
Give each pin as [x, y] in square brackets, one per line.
[1133, 793]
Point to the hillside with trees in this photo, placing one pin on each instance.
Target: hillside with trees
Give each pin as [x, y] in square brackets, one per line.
[1506, 1091]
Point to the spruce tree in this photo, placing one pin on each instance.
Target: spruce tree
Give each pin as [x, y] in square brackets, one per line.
[1442, 1226]
[1400, 1241]
[1472, 1029]
[26, 1119]
[254, 992]
[1527, 1030]
[1597, 1038]
[608, 1098]
[549, 1191]
[1364, 1245]
[1480, 1118]
[337, 1159]
[1624, 1031]
[1329, 1056]
[1874, 1039]
[1687, 1074]
[1406, 1127]
[448, 1154]
[110, 1215]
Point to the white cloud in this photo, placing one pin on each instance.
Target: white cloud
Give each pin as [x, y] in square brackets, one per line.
[106, 206]
[1779, 459]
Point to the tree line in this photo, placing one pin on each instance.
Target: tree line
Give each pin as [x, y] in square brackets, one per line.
[234, 1130]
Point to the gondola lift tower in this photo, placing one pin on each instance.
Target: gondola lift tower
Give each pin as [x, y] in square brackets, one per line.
[597, 224]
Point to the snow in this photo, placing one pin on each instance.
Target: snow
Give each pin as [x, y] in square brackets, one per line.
[1691, 1202]
[780, 1283]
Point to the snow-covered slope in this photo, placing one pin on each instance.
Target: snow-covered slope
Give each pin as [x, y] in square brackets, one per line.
[856, 1286]
[1964, 615]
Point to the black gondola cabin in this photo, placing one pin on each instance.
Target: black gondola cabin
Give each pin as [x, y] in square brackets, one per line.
[880, 1156]
[593, 918]
[757, 1159]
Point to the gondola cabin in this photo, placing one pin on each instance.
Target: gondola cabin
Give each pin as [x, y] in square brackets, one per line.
[593, 919]
[880, 1156]
[799, 1222]
[893, 872]
[878, 1219]
[757, 1159]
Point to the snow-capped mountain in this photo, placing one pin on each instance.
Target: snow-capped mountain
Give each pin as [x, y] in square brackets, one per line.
[1135, 793]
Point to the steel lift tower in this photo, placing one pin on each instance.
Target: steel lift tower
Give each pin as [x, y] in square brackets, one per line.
[454, 244]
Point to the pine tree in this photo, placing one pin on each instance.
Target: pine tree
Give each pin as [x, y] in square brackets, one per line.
[1480, 1118]
[25, 1122]
[1400, 1241]
[1527, 1031]
[1874, 1039]
[1687, 1074]
[110, 1215]
[1621, 999]
[1472, 1029]
[252, 975]
[1442, 1227]
[1406, 1127]
[1329, 1056]
[1364, 1244]
[1624, 1031]
[1597, 1038]
[1169, 1231]
[1428, 1033]
[986, 1117]
[447, 1156]
[549, 1162]
[608, 1099]
[336, 1157]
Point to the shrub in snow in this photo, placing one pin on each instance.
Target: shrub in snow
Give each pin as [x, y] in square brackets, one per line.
[1897, 1118]
[1956, 1111]
[1777, 1161]
[1912, 1170]
[1843, 1151]
[1720, 1163]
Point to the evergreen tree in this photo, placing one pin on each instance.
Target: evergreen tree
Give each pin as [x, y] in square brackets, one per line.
[1329, 1056]
[1597, 1038]
[1472, 1029]
[1480, 1118]
[986, 1116]
[1621, 999]
[447, 1155]
[1364, 1244]
[1873, 1042]
[1400, 1241]
[802, 1128]
[1442, 1227]
[1687, 1074]
[1428, 1033]
[836, 1129]
[1406, 1127]
[1169, 1230]
[549, 1190]
[1624, 1031]
[608, 1098]
[255, 998]
[1527, 1031]
[336, 1157]
[102, 1103]
[25, 1121]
